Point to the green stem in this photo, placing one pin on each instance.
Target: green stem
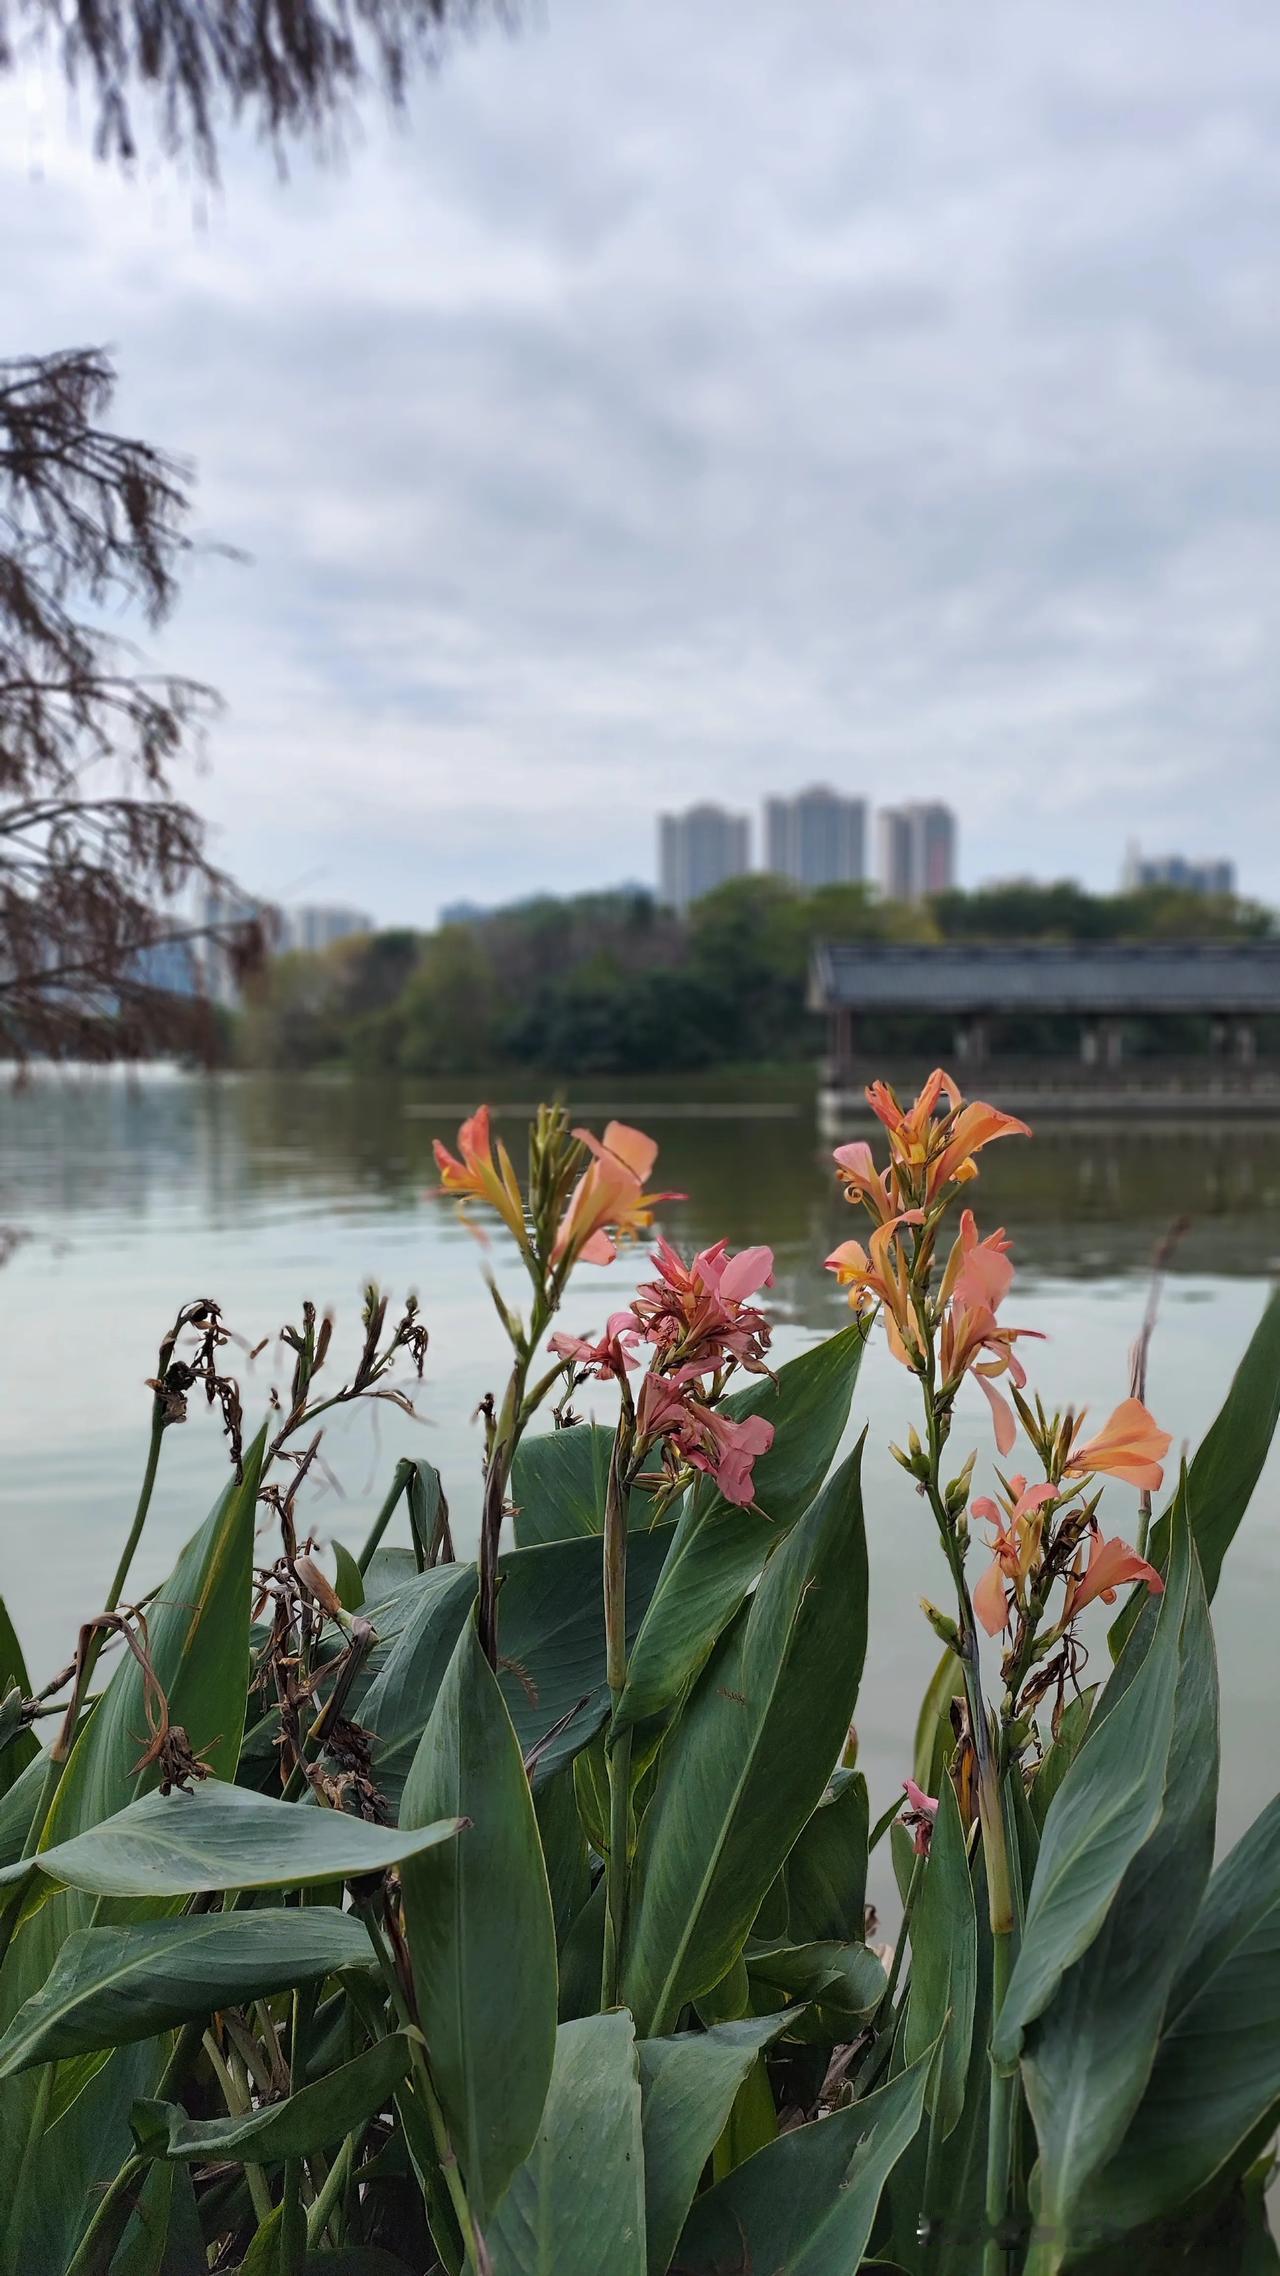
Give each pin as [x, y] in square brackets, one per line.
[94, 2252]
[116, 1590]
[238, 2107]
[327, 2198]
[618, 1754]
[1001, 2126]
[425, 2088]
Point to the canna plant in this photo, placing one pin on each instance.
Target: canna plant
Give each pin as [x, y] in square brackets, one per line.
[509, 1917]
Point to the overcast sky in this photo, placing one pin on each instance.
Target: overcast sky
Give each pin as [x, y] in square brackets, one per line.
[704, 400]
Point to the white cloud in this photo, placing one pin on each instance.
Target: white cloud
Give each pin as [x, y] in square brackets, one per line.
[690, 401]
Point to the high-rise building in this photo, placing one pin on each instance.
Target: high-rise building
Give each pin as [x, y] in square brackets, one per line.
[817, 838]
[699, 850]
[311, 927]
[221, 916]
[1142, 870]
[917, 846]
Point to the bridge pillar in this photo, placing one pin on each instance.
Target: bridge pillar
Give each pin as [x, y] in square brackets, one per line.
[972, 1042]
[1246, 1043]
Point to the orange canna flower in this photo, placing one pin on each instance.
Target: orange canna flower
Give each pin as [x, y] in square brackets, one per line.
[1130, 1445]
[1111, 1564]
[974, 1127]
[977, 1279]
[880, 1277]
[862, 1181]
[1015, 1548]
[476, 1176]
[609, 1198]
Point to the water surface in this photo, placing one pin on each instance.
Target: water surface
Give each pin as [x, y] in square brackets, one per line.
[133, 1196]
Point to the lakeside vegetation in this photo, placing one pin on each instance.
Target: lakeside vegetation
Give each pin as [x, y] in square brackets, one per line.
[404, 1915]
[610, 983]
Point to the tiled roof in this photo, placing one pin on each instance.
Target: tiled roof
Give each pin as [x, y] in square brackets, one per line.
[1181, 976]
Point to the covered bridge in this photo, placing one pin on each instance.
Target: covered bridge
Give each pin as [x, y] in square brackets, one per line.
[1100, 986]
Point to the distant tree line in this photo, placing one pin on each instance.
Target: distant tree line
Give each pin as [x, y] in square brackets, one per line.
[609, 982]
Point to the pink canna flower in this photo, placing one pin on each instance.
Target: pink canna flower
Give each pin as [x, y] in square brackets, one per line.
[1112, 1565]
[919, 1816]
[612, 1355]
[1130, 1446]
[609, 1198]
[699, 1312]
[976, 1281]
[473, 1174]
[1016, 1547]
[709, 1440]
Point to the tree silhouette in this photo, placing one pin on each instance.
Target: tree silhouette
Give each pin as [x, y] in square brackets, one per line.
[94, 842]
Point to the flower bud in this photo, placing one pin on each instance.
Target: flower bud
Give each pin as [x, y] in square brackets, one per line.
[957, 1493]
[943, 1626]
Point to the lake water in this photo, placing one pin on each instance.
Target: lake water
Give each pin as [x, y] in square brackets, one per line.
[135, 1195]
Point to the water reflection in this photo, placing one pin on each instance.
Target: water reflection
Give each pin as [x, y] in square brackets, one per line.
[139, 1196]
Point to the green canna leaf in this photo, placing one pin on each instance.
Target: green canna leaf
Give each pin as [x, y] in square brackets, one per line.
[109, 1987]
[825, 1875]
[944, 1964]
[805, 2205]
[558, 1484]
[225, 1837]
[551, 1643]
[1109, 1805]
[1216, 2078]
[1087, 2057]
[719, 1551]
[308, 2120]
[18, 1746]
[576, 2204]
[481, 1928]
[688, 2085]
[744, 1767]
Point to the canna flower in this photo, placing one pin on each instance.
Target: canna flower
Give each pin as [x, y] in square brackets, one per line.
[1111, 1565]
[1015, 1548]
[699, 1312]
[669, 1408]
[933, 1151]
[977, 1278]
[1130, 1446]
[862, 1181]
[612, 1355]
[919, 1816]
[879, 1276]
[609, 1198]
[473, 1174]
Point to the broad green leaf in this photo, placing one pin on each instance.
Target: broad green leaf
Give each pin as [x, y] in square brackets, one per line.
[551, 1641]
[17, 1808]
[21, 1748]
[576, 2205]
[688, 2085]
[481, 1929]
[163, 2237]
[719, 1551]
[558, 1484]
[110, 1986]
[350, 1579]
[564, 1849]
[1105, 1811]
[938, 2190]
[744, 1767]
[1225, 1468]
[307, 2121]
[1087, 2057]
[198, 1640]
[825, 1876]
[1062, 1753]
[1216, 2078]
[805, 2205]
[845, 1980]
[944, 1964]
[225, 1837]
